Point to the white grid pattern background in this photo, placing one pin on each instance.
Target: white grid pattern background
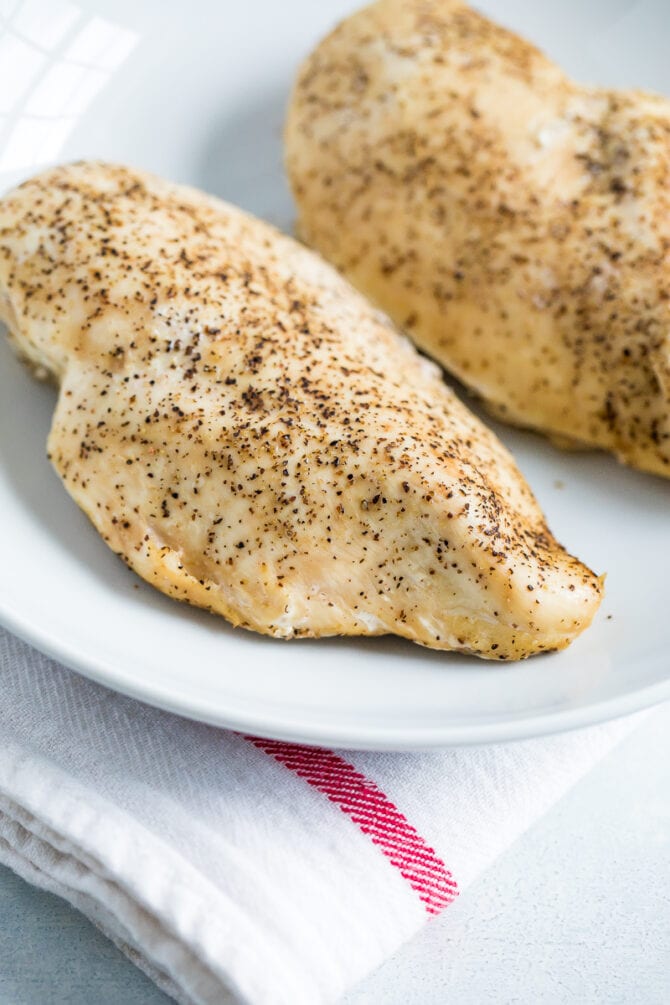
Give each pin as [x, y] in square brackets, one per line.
[54, 60]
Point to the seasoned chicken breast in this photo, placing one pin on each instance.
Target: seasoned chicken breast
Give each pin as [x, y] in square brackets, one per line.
[250, 436]
[516, 224]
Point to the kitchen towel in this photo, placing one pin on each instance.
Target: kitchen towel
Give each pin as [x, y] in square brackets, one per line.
[235, 869]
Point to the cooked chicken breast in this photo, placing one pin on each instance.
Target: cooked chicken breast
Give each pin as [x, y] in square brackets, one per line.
[517, 225]
[250, 436]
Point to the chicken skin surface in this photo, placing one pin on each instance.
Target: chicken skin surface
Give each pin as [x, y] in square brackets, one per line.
[514, 223]
[252, 437]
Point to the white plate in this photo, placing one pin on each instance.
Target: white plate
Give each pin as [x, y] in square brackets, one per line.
[196, 92]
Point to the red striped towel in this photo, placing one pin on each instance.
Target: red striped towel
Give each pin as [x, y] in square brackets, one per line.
[232, 868]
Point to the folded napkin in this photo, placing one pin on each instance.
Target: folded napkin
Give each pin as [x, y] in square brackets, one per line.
[233, 869]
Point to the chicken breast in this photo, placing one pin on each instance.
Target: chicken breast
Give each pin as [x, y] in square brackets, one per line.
[250, 436]
[516, 224]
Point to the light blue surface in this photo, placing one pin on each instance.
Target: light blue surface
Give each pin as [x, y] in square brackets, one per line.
[51, 955]
[577, 911]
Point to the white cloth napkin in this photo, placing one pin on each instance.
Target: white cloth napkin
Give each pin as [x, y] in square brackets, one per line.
[233, 870]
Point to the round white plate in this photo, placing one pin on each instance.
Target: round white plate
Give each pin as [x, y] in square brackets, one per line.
[196, 92]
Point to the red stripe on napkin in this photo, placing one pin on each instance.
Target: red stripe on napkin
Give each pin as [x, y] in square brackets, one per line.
[374, 813]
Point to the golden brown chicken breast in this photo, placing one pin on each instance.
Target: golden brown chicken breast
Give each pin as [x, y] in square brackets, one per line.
[251, 437]
[516, 224]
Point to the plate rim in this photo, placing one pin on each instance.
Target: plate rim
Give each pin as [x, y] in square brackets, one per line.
[371, 738]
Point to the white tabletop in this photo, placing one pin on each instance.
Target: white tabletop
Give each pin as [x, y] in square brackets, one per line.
[577, 911]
